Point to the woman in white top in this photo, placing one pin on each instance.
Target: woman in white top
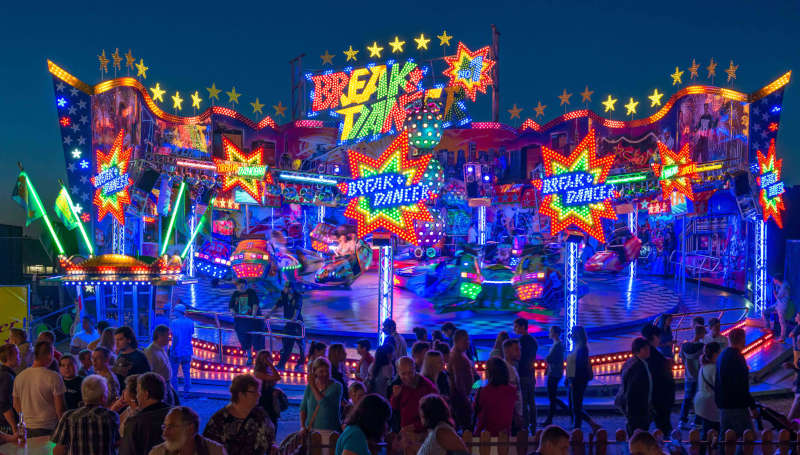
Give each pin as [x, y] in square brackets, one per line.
[704, 405]
[442, 438]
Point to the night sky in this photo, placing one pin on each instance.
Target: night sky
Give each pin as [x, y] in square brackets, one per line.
[623, 48]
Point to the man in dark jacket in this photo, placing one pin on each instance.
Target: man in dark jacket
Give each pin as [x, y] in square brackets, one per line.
[143, 429]
[663, 381]
[732, 392]
[555, 370]
[690, 355]
[527, 380]
[637, 387]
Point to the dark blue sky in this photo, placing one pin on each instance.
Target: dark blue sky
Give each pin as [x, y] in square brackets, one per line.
[624, 48]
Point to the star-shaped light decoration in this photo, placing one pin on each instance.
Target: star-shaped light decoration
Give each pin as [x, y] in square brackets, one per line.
[564, 97]
[103, 62]
[470, 70]
[129, 60]
[675, 172]
[112, 180]
[444, 38]
[769, 179]
[731, 71]
[514, 111]
[158, 93]
[712, 68]
[280, 109]
[397, 45]
[388, 193]
[233, 97]
[655, 98]
[232, 179]
[609, 104]
[117, 59]
[176, 100]
[196, 100]
[693, 70]
[631, 107]
[586, 95]
[422, 42]
[257, 107]
[375, 50]
[676, 76]
[539, 109]
[351, 54]
[574, 189]
[213, 92]
[327, 58]
[141, 70]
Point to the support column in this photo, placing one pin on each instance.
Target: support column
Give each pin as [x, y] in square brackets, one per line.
[760, 272]
[482, 225]
[570, 290]
[320, 213]
[633, 226]
[385, 286]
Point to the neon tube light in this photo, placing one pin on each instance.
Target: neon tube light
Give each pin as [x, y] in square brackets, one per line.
[307, 179]
[44, 213]
[627, 178]
[80, 223]
[172, 218]
[195, 232]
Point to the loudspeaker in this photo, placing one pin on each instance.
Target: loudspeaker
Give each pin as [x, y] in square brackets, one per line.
[740, 183]
[147, 180]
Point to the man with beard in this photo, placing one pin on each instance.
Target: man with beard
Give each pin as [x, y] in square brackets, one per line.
[181, 437]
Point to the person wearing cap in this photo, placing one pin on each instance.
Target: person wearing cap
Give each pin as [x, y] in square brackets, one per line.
[180, 354]
[714, 335]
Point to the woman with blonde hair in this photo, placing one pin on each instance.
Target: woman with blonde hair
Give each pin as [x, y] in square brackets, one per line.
[321, 405]
[433, 369]
[497, 350]
[266, 372]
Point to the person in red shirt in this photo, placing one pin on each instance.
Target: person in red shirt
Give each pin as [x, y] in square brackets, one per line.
[406, 395]
[494, 403]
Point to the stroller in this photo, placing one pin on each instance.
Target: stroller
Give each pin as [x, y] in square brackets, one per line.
[775, 418]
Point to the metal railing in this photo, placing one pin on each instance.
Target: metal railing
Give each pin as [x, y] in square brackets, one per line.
[268, 333]
[719, 314]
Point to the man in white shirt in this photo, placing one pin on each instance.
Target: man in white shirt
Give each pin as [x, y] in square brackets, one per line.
[157, 355]
[82, 339]
[39, 393]
[714, 334]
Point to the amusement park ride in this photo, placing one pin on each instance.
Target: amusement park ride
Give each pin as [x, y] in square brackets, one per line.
[388, 171]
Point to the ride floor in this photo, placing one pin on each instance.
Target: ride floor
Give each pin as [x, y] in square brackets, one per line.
[613, 308]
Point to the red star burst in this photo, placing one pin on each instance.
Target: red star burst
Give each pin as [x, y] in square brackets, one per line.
[586, 217]
[675, 172]
[770, 164]
[113, 203]
[470, 70]
[234, 155]
[398, 219]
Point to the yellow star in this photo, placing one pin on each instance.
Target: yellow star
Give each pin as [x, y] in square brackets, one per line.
[564, 97]
[129, 60]
[631, 107]
[539, 109]
[444, 38]
[514, 111]
[676, 76]
[731, 71]
[117, 59]
[257, 107]
[586, 95]
[327, 58]
[176, 101]
[141, 70]
[693, 70]
[609, 103]
[103, 61]
[712, 68]
[233, 97]
[158, 94]
[397, 45]
[422, 42]
[213, 92]
[280, 109]
[351, 54]
[374, 50]
[655, 98]
[196, 100]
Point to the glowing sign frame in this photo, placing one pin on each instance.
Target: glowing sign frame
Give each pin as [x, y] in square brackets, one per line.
[676, 171]
[235, 162]
[477, 71]
[112, 181]
[770, 184]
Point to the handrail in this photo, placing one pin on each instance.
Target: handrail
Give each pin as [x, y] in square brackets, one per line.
[60, 310]
[720, 312]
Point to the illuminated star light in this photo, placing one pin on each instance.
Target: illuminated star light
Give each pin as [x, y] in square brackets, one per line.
[586, 217]
[586, 95]
[564, 97]
[731, 71]
[176, 101]
[280, 109]
[609, 104]
[399, 219]
[772, 207]
[631, 107]
[158, 94]
[676, 76]
[693, 70]
[397, 45]
[257, 107]
[655, 98]
[103, 62]
[117, 59]
[213, 92]
[196, 100]
[422, 42]
[76, 153]
[712, 68]
[470, 70]
[129, 60]
[327, 58]
[539, 109]
[113, 203]
[141, 70]
[351, 54]
[375, 50]
[233, 97]
[444, 38]
[514, 111]
[232, 153]
[680, 180]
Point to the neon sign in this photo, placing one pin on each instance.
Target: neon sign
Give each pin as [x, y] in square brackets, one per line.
[675, 172]
[243, 171]
[771, 193]
[389, 192]
[470, 70]
[112, 180]
[574, 188]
